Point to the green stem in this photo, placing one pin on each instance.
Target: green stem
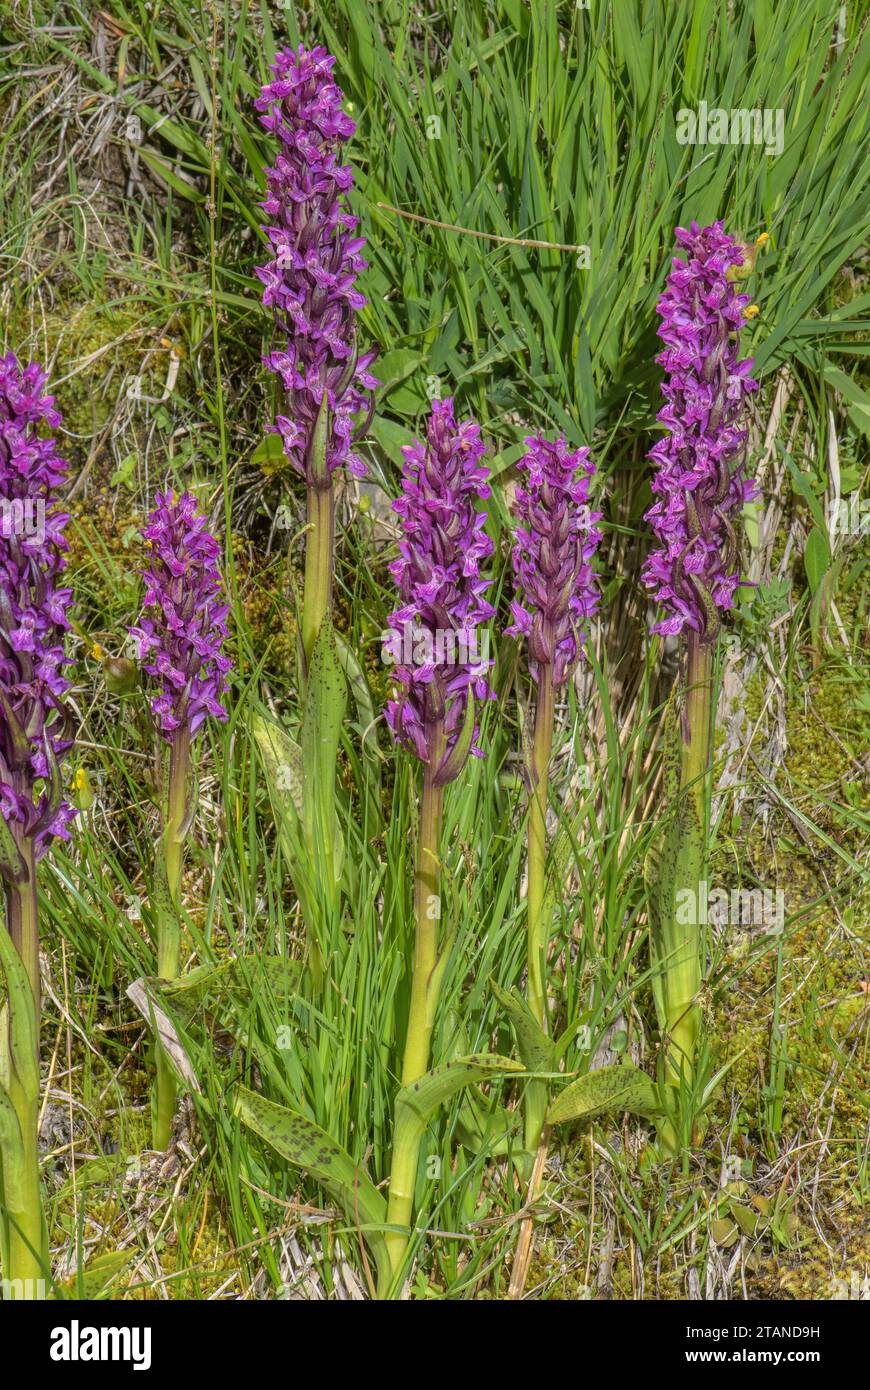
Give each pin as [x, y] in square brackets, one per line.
[169, 932]
[683, 971]
[27, 1244]
[536, 926]
[425, 988]
[319, 563]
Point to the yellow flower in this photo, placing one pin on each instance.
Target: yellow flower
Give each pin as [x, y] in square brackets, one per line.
[83, 792]
[750, 311]
[97, 652]
[750, 250]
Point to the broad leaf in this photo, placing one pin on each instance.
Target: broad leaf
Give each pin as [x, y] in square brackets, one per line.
[238, 976]
[422, 1098]
[282, 760]
[304, 1144]
[535, 1048]
[610, 1090]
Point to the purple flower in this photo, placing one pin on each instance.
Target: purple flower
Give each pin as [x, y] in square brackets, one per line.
[700, 481]
[310, 283]
[35, 728]
[183, 638]
[434, 634]
[553, 545]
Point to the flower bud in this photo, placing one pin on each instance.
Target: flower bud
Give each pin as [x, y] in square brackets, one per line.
[121, 676]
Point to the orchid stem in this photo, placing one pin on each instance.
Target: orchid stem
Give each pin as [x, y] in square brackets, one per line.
[25, 1228]
[425, 988]
[536, 926]
[169, 931]
[319, 562]
[683, 971]
[536, 1093]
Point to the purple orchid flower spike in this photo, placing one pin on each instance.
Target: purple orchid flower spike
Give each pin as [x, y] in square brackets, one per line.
[180, 638]
[434, 637]
[184, 625]
[35, 730]
[310, 285]
[554, 542]
[700, 484]
[35, 736]
[553, 545]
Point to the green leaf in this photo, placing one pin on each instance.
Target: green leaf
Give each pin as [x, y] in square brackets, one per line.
[282, 761]
[610, 1090]
[241, 976]
[423, 1097]
[458, 755]
[482, 1125]
[270, 450]
[165, 171]
[281, 757]
[164, 909]
[325, 700]
[23, 1045]
[12, 866]
[535, 1048]
[395, 366]
[304, 1144]
[724, 1232]
[817, 558]
[125, 473]
[11, 1154]
[746, 1219]
[367, 723]
[97, 1280]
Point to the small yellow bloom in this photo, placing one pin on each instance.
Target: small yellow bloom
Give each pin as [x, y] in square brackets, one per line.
[82, 791]
[750, 311]
[763, 239]
[97, 652]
